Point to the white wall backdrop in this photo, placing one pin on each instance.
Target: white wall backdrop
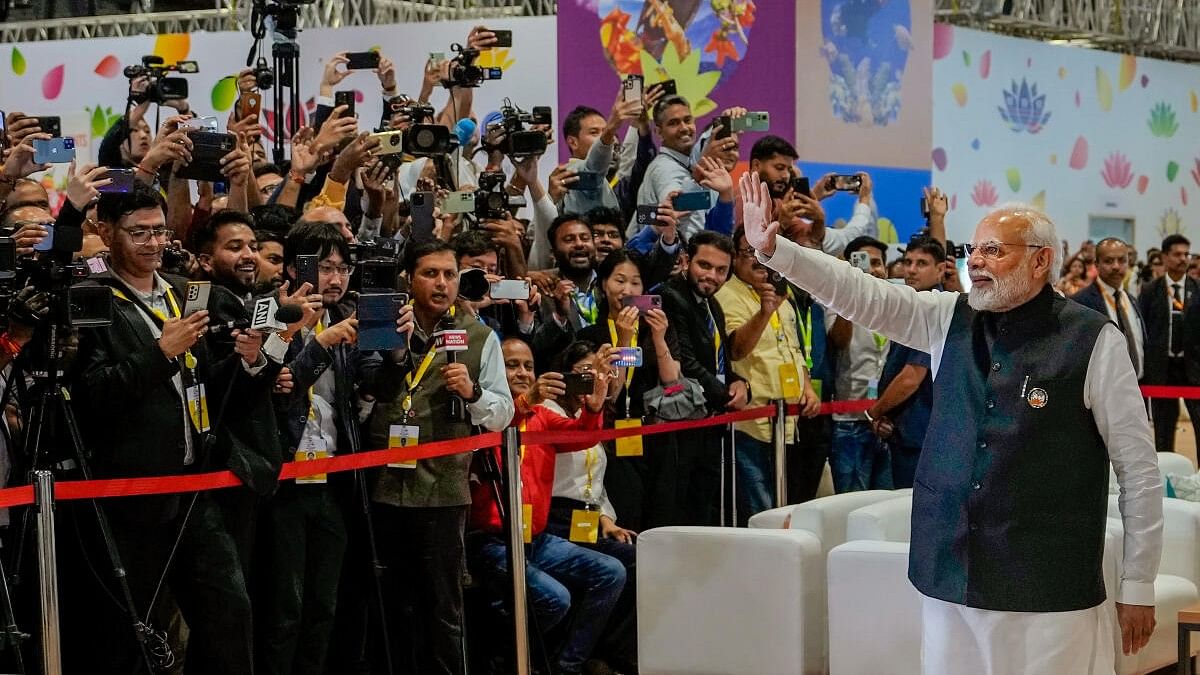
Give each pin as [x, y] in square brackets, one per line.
[1103, 135]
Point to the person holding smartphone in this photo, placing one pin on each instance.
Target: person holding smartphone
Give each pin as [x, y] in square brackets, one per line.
[592, 137]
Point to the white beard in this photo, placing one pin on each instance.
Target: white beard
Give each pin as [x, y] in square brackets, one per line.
[1004, 293]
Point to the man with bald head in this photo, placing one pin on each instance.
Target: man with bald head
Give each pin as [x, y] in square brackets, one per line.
[1034, 395]
[1106, 295]
[329, 214]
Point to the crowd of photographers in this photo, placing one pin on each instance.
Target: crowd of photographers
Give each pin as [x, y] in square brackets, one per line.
[409, 280]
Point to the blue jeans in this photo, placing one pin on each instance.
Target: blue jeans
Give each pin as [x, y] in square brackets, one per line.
[755, 474]
[556, 567]
[858, 460]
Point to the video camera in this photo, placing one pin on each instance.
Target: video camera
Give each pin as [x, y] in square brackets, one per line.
[159, 88]
[421, 139]
[54, 272]
[464, 72]
[519, 141]
[492, 200]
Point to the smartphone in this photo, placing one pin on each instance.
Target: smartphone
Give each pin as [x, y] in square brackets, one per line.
[667, 87]
[437, 57]
[510, 289]
[628, 357]
[122, 181]
[924, 208]
[726, 129]
[588, 180]
[844, 183]
[345, 98]
[578, 384]
[50, 125]
[306, 271]
[390, 142]
[378, 275]
[644, 303]
[503, 38]
[861, 260]
[800, 186]
[377, 315]
[54, 150]
[631, 88]
[208, 149]
[197, 297]
[459, 202]
[47, 243]
[700, 200]
[751, 121]
[420, 207]
[200, 124]
[362, 60]
[3, 130]
[647, 214]
[249, 105]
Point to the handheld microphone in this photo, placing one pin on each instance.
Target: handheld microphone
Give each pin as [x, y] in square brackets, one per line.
[283, 315]
[449, 340]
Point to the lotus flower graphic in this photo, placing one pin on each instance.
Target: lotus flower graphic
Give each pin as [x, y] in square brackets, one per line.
[1023, 108]
[1117, 171]
[984, 193]
[1170, 223]
[1162, 120]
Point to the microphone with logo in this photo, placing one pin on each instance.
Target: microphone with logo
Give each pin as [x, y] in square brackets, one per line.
[261, 314]
[449, 340]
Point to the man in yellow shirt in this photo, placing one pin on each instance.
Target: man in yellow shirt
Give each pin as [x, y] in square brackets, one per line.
[766, 347]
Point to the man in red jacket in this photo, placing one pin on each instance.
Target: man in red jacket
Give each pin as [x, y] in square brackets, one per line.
[554, 566]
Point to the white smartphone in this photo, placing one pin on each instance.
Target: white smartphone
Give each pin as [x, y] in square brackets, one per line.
[197, 297]
[510, 289]
[861, 260]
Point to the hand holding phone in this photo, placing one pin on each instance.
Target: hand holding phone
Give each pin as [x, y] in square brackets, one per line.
[307, 271]
[362, 60]
[643, 303]
[197, 297]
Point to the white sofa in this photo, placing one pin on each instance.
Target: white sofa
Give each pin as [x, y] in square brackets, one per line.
[824, 515]
[728, 601]
[889, 520]
[874, 610]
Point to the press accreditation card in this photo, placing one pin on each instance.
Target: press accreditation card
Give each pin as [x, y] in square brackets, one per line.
[585, 526]
[629, 446]
[403, 436]
[789, 380]
[197, 405]
[310, 449]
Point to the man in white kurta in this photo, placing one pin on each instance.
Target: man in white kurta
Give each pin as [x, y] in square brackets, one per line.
[1033, 397]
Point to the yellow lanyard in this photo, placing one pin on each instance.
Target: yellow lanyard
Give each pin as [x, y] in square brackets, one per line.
[414, 379]
[189, 359]
[316, 331]
[589, 461]
[880, 341]
[612, 332]
[805, 330]
[776, 324]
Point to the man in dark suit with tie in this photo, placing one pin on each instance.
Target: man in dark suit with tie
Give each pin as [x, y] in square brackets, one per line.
[1107, 296]
[1165, 304]
[704, 357]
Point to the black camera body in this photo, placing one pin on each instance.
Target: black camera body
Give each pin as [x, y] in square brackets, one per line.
[160, 88]
[520, 141]
[415, 111]
[264, 75]
[492, 200]
[465, 73]
[426, 140]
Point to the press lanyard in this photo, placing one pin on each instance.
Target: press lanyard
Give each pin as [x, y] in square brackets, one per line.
[776, 325]
[585, 302]
[189, 359]
[805, 329]
[312, 414]
[414, 379]
[612, 332]
[589, 462]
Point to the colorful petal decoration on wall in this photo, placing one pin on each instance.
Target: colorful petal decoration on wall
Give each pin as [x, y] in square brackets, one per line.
[960, 93]
[18, 62]
[223, 93]
[1103, 90]
[52, 82]
[1079, 154]
[943, 40]
[173, 47]
[1128, 69]
[1143, 183]
[1039, 201]
[1172, 171]
[1014, 179]
[109, 67]
[939, 158]
[985, 65]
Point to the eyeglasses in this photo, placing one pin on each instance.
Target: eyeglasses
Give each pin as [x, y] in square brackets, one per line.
[994, 249]
[328, 270]
[142, 235]
[746, 252]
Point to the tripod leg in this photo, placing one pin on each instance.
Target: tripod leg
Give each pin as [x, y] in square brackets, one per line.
[376, 570]
[13, 636]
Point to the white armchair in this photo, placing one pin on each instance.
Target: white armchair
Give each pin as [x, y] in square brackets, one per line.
[889, 520]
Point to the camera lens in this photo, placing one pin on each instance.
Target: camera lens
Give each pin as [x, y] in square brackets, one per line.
[418, 199]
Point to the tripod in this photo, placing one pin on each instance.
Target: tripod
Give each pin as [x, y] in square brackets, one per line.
[285, 51]
[54, 403]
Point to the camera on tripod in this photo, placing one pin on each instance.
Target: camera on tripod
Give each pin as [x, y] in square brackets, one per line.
[159, 87]
[465, 73]
[264, 75]
[492, 200]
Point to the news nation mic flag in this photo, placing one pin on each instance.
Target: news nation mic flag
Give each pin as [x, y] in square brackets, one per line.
[450, 340]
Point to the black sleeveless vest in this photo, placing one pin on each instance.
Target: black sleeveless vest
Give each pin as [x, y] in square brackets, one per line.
[1010, 495]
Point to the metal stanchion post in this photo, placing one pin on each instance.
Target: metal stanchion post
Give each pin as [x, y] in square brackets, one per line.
[780, 453]
[516, 549]
[48, 571]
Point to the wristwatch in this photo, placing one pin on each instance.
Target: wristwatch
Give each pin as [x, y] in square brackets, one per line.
[476, 393]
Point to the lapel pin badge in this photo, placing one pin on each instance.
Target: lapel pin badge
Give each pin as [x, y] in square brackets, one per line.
[1037, 398]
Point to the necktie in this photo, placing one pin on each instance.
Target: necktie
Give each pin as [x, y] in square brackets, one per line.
[1123, 324]
[1175, 347]
[712, 330]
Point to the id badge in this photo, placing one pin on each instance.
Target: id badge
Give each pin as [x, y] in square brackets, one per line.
[585, 526]
[197, 405]
[789, 379]
[873, 388]
[630, 446]
[403, 436]
[527, 523]
[309, 450]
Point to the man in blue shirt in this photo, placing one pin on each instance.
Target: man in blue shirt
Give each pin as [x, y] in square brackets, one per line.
[901, 415]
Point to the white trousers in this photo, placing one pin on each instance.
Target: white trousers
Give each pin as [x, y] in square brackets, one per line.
[957, 639]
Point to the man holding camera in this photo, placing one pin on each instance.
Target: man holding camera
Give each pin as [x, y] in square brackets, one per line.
[428, 393]
[151, 367]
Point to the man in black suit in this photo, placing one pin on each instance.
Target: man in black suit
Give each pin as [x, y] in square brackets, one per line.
[146, 386]
[1107, 296]
[1165, 305]
[704, 357]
